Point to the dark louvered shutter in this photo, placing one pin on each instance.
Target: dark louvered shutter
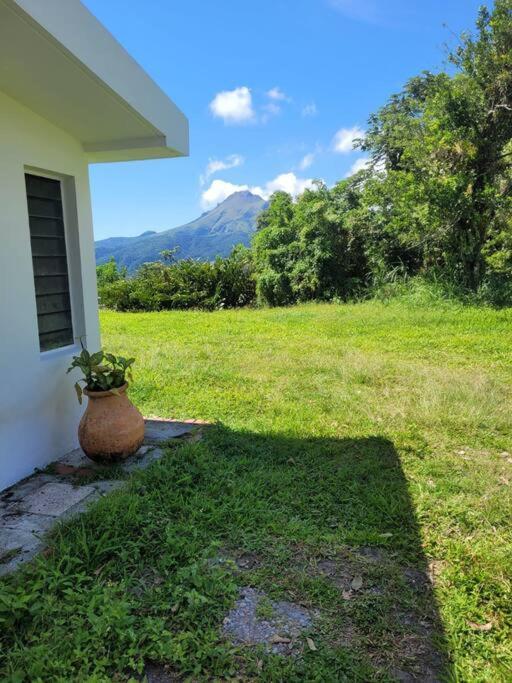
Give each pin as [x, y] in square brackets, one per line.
[48, 240]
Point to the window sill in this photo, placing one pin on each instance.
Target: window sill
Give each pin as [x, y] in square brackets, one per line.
[62, 351]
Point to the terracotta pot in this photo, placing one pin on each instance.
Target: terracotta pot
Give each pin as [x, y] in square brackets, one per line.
[111, 428]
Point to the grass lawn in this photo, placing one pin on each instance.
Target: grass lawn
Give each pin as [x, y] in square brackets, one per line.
[361, 460]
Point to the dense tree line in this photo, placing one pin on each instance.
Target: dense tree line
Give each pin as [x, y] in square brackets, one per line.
[435, 202]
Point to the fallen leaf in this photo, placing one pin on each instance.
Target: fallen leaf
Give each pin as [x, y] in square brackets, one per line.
[504, 481]
[347, 595]
[480, 627]
[357, 582]
[279, 639]
[311, 645]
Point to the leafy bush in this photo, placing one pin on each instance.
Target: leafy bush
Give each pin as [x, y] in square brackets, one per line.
[225, 283]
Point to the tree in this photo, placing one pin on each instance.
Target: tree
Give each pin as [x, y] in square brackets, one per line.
[445, 145]
[106, 273]
[275, 249]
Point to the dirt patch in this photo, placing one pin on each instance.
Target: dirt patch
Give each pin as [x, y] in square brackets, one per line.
[63, 470]
[373, 554]
[417, 579]
[370, 580]
[160, 673]
[248, 561]
[351, 573]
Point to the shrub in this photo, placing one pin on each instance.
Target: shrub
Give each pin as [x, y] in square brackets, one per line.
[225, 283]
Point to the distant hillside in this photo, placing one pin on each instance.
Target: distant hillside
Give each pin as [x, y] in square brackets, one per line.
[213, 234]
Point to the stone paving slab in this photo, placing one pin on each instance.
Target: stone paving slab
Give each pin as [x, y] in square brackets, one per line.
[159, 431]
[21, 538]
[25, 487]
[148, 456]
[54, 499]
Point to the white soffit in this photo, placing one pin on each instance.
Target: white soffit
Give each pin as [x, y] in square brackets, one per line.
[59, 60]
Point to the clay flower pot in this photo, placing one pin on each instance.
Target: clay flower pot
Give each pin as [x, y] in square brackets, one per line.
[111, 428]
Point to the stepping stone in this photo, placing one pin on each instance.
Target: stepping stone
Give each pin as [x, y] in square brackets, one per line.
[278, 630]
[143, 459]
[160, 431]
[24, 488]
[107, 485]
[21, 538]
[54, 499]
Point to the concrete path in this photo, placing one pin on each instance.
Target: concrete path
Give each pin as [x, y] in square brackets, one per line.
[29, 509]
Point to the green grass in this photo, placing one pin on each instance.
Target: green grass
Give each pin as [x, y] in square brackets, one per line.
[337, 428]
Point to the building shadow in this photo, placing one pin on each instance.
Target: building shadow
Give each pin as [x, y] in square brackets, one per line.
[342, 510]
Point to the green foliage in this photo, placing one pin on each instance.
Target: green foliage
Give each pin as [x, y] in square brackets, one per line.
[107, 273]
[101, 371]
[309, 250]
[225, 283]
[445, 144]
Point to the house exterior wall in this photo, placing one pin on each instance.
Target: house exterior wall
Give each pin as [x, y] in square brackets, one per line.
[39, 412]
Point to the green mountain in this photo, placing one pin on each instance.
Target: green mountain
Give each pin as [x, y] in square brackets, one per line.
[213, 234]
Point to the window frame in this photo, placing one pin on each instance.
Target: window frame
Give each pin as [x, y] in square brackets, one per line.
[71, 238]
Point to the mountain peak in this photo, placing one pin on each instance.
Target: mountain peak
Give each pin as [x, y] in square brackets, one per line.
[243, 194]
[215, 233]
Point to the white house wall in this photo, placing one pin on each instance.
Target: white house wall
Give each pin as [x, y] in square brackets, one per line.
[39, 412]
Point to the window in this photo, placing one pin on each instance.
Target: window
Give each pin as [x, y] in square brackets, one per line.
[49, 257]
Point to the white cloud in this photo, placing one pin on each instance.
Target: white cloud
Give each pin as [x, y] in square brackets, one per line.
[220, 190]
[233, 106]
[309, 110]
[269, 110]
[288, 182]
[277, 94]
[363, 164]
[343, 142]
[358, 165]
[306, 161]
[216, 165]
[273, 107]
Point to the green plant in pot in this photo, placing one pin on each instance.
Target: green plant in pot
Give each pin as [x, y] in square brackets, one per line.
[111, 428]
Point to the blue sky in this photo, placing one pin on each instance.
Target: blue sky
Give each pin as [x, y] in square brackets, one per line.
[274, 91]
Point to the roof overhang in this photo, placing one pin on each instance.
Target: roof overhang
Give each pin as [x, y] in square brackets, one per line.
[59, 60]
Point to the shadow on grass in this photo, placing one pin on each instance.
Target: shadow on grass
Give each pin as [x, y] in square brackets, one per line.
[325, 523]
[330, 524]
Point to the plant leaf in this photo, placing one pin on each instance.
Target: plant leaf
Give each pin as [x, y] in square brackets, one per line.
[279, 639]
[357, 582]
[480, 627]
[79, 392]
[311, 645]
